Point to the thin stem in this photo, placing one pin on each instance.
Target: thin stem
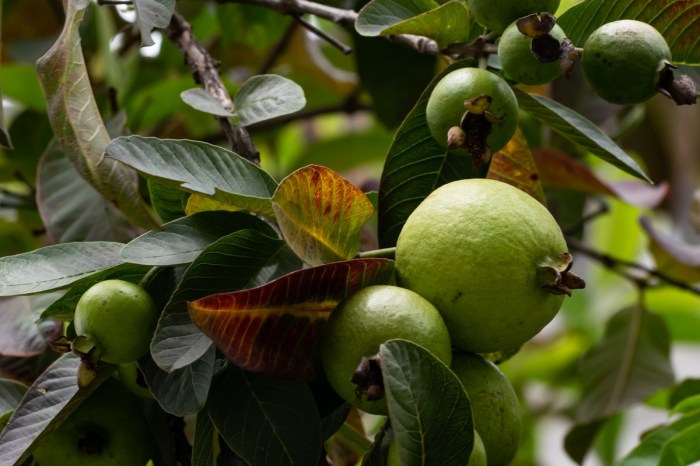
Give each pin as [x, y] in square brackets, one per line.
[323, 35]
[386, 253]
[114, 2]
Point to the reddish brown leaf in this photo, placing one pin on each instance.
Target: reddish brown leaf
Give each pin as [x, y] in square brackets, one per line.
[558, 170]
[275, 328]
[321, 214]
[514, 165]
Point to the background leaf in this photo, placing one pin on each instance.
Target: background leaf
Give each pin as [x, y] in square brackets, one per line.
[378, 15]
[52, 397]
[151, 14]
[449, 23]
[321, 214]
[629, 364]
[182, 240]
[514, 165]
[198, 167]
[11, 393]
[201, 100]
[673, 256]
[168, 201]
[5, 140]
[578, 130]
[266, 420]
[77, 123]
[206, 446]
[20, 335]
[55, 266]
[240, 260]
[415, 165]
[267, 96]
[275, 328]
[429, 429]
[676, 20]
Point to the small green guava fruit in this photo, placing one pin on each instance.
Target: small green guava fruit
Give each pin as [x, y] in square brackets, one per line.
[363, 321]
[477, 457]
[518, 61]
[623, 61]
[490, 258]
[108, 429]
[495, 406]
[118, 318]
[496, 15]
[479, 105]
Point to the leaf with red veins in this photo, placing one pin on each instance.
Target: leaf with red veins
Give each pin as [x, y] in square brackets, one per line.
[276, 328]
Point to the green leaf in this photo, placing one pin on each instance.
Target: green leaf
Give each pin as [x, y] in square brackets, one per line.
[72, 210]
[64, 307]
[449, 23]
[55, 266]
[266, 420]
[77, 123]
[321, 214]
[276, 328]
[151, 14]
[11, 393]
[50, 399]
[267, 96]
[378, 15]
[168, 201]
[182, 240]
[415, 165]
[578, 130]
[673, 445]
[629, 364]
[183, 391]
[429, 429]
[676, 20]
[243, 259]
[198, 167]
[206, 445]
[201, 100]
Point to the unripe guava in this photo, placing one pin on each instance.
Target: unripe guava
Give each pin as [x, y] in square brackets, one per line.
[108, 429]
[446, 108]
[520, 64]
[495, 406]
[496, 15]
[477, 457]
[622, 61]
[119, 318]
[492, 260]
[365, 320]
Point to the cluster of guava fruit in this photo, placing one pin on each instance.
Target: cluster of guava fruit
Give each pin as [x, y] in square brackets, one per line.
[625, 62]
[481, 267]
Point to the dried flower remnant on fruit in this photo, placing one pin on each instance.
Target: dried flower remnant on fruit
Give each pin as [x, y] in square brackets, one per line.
[474, 129]
[368, 378]
[558, 277]
[681, 90]
[544, 46]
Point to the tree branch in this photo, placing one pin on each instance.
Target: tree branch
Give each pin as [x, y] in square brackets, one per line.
[205, 72]
[339, 16]
[622, 267]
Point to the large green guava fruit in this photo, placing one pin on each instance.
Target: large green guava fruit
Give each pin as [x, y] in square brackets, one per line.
[518, 61]
[365, 320]
[119, 318]
[108, 429]
[490, 258]
[495, 406]
[496, 15]
[623, 60]
[488, 126]
[477, 457]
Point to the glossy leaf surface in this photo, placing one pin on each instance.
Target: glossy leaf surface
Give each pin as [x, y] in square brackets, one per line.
[267, 96]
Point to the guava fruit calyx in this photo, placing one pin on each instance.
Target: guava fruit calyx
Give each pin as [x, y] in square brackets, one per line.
[544, 46]
[681, 90]
[473, 130]
[557, 277]
[368, 378]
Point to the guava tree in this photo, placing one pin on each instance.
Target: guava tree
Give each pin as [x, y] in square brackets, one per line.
[191, 190]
